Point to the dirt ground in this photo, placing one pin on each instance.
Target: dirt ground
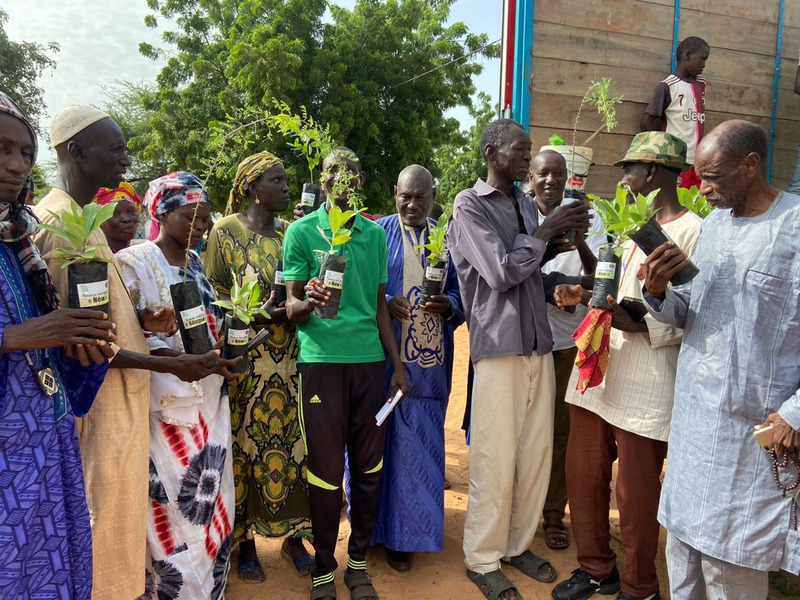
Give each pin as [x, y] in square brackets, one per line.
[433, 576]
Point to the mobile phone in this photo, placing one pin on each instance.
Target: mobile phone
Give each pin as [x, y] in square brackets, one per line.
[764, 437]
[635, 308]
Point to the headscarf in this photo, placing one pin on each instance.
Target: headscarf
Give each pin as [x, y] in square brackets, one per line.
[18, 224]
[169, 192]
[125, 191]
[248, 171]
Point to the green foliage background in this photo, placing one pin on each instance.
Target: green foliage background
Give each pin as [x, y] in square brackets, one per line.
[380, 76]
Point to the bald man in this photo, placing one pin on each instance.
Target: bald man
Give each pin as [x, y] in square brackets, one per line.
[739, 368]
[411, 509]
[114, 435]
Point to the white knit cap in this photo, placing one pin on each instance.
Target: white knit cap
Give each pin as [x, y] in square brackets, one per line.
[71, 120]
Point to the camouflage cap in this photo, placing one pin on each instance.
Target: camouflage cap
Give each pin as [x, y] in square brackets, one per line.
[658, 147]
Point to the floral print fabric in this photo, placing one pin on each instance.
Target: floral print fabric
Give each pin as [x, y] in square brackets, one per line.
[268, 453]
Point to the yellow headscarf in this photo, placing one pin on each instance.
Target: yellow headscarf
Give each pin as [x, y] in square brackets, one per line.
[250, 169]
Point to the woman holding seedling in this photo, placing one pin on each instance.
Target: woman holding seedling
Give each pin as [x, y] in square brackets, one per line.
[191, 504]
[266, 433]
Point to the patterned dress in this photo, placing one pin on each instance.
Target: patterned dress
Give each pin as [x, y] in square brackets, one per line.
[44, 520]
[268, 454]
[191, 500]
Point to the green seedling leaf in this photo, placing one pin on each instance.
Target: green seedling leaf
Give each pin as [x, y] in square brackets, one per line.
[693, 200]
[75, 227]
[340, 239]
[245, 300]
[223, 304]
[556, 140]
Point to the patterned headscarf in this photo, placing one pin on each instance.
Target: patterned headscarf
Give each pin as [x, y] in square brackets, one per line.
[125, 191]
[169, 192]
[18, 224]
[248, 171]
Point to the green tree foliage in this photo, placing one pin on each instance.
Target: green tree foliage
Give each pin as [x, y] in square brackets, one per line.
[459, 162]
[21, 65]
[380, 76]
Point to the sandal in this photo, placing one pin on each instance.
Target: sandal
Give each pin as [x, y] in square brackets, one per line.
[531, 565]
[493, 584]
[360, 585]
[320, 592]
[303, 565]
[251, 572]
[556, 535]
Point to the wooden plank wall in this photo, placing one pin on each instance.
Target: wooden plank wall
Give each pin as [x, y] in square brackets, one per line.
[577, 41]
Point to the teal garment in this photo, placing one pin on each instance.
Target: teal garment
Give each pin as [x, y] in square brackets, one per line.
[353, 337]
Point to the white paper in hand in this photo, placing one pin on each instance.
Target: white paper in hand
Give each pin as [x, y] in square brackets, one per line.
[387, 408]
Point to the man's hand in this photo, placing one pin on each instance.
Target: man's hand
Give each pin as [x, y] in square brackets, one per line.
[568, 217]
[438, 304]
[62, 327]
[568, 295]
[622, 320]
[317, 293]
[783, 436]
[159, 321]
[400, 308]
[556, 246]
[399, 380]
[660, 266]
[86, 355]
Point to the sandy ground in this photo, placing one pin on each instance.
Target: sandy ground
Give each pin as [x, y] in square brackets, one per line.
[433, 576]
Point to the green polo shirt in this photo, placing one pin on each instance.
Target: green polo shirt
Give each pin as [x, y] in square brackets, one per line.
[353, 337]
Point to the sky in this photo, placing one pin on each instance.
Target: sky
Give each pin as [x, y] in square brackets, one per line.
[100, 44]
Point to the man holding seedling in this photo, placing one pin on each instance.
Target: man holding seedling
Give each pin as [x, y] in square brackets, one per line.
[411, 508]
[626, 417]
[498, 245]
[342, 368]
[114, 436]
[725, 504]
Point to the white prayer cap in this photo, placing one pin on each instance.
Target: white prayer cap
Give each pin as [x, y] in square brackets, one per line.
[71, 120]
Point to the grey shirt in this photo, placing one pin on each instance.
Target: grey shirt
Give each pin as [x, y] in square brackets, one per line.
[498, 271]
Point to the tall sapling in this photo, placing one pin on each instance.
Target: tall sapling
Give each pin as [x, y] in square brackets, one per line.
[310, 140]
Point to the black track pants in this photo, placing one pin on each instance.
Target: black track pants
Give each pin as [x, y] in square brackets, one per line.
[339, 403]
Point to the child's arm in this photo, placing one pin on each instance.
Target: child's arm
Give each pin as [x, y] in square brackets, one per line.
[654, 113]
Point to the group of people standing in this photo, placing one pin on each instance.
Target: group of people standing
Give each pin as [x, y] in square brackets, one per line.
[689, 379]
[175, 460]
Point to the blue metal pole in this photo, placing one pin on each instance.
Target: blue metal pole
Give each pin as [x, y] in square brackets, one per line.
[675, 33]
[523, 63]
[775, 85]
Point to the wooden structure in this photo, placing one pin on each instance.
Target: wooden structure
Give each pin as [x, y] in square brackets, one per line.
[632, 41]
